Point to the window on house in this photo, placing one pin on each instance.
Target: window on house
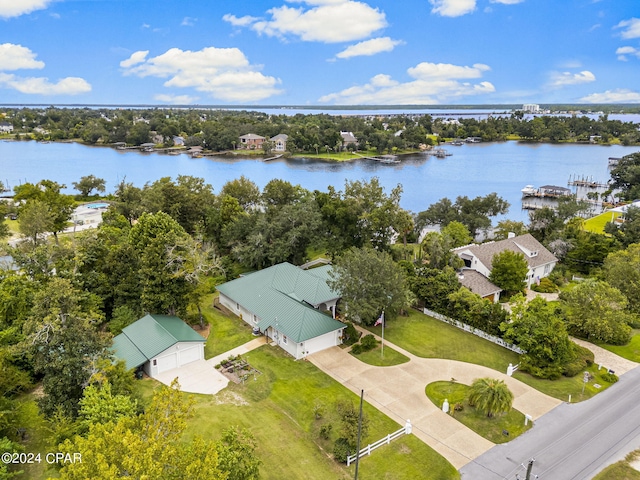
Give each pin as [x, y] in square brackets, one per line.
[237, 306]
[155, 362]
[284, 339]
[547, 267]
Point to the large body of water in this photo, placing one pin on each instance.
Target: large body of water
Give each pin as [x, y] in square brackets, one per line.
[472, 170]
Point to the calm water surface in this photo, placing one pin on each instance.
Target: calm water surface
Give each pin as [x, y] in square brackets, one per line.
[472, 170]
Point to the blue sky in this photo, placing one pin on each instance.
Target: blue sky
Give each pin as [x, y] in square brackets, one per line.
[319, 52]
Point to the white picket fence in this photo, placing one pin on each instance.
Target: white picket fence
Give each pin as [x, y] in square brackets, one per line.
[476, 331]
[384, 441]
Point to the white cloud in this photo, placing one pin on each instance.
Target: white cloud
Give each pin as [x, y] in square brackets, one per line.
[621, 95]
[432, 84]
[15, 8]
[562, 79]
[223, 73]
[622, 52]
[370, 47]
[426, 70]
[452, 8]
[16, 57]
[42, 86]
[507, 2]
[240, 21]
[631, 28]
[188, 22]
[328, 21]
[176, 99]
[135, 58]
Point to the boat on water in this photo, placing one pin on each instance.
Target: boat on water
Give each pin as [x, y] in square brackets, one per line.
[457, 143]
[549, 191]
[440, 153]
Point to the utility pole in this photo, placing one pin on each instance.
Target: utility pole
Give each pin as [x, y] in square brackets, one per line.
[359, 434]
[529, 468]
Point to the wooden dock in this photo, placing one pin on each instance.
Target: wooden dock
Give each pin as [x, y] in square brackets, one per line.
[586, 182]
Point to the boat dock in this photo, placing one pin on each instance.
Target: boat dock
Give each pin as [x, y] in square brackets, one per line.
[546, 191]
[586, 182]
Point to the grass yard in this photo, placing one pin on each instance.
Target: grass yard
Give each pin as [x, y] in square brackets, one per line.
[279, 408]
[227, 331]
[489, 428]
[375, 357]
[621, 470]
[597, 223]
[430, 338]
[630, 351]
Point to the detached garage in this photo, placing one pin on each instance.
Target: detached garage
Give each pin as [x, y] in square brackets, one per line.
[158, 343]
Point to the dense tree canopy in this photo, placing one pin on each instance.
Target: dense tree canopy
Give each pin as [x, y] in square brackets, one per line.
[369, 282]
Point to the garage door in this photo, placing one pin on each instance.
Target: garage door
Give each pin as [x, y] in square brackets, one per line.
[320, 343]
[167, 362]
[190, 354]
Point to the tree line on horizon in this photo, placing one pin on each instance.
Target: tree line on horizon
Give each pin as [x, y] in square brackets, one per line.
[219, 130]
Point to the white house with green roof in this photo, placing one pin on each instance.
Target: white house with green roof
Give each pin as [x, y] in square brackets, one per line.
[286, 303]
[158, 343]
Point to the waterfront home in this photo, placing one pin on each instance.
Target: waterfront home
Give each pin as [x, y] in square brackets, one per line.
[6, 127]
[347, 138]
[286, 303]
[479, 284]
[280, 142]
[251, 141]
[479, 257]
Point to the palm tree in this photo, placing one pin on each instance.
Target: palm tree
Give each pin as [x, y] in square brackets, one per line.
[490, 396]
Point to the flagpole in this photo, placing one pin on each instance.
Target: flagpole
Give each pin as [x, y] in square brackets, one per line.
[382, 346]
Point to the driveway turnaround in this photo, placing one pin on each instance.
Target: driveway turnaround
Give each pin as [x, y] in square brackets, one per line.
[201, 376]
[399, 392]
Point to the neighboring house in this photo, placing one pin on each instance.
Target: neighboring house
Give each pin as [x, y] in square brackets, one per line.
[479, 284]
[251, 141]
[6, 127]
[284, 302]
[178, 140]
[347, 138]
[158, 343]
[480, 257]
[280, 142]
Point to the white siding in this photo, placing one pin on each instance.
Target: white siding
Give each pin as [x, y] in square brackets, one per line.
[178, 355]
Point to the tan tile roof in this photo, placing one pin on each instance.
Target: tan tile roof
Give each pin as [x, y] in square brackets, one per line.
[477, 283]
[485, 251]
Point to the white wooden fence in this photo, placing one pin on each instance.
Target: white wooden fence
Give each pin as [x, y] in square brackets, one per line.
[475, 331]
[383, 441]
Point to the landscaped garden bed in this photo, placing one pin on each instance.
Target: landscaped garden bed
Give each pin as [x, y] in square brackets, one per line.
[237, 369]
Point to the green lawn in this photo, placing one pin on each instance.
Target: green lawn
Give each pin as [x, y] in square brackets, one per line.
[630, 351]
[278, 408]
[227, 331]
[597, 223]
[430, 338]
[489, 428]
[621, 470]
[380, 357]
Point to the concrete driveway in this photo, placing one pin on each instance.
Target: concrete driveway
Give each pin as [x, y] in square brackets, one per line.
[196, 377]
[201, 376]
[399, 392]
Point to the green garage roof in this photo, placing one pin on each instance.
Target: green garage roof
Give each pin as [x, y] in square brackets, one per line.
[150, 336]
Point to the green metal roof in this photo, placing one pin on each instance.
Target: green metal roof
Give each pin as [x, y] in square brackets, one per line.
[151, 335]
[124, 349]
[277, 295]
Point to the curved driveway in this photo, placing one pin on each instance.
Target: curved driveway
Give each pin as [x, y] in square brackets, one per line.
[399, 392]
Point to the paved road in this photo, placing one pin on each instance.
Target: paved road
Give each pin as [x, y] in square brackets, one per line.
[572, 442]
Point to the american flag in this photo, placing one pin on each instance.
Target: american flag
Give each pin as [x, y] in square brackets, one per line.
[380, 320]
